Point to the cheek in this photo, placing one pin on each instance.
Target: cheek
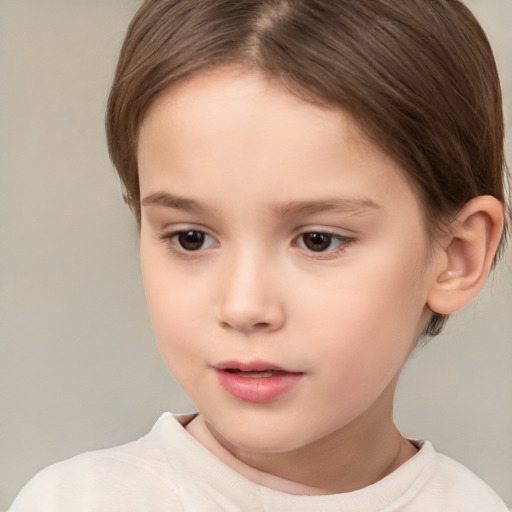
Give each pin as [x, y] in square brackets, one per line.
[173, 303]
[365, 297]
[177, 330]
[369, 317]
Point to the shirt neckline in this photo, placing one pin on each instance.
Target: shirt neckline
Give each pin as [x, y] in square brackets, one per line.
[189, 455]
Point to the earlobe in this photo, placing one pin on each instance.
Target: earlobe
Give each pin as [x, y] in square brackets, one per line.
[466, 255]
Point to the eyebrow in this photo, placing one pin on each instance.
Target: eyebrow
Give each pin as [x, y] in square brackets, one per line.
[336, 204]
[172, 201]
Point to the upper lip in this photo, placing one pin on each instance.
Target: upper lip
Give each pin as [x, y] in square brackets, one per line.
[250, 366]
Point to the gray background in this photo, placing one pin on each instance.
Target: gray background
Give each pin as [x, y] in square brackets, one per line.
[79, 369]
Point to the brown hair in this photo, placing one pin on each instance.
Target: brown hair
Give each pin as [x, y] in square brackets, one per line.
[418, 75]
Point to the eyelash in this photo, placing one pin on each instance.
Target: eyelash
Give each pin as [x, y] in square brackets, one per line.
[172, 242]
[342, 243]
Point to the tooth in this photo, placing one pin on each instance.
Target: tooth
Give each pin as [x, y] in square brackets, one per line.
[255, 374]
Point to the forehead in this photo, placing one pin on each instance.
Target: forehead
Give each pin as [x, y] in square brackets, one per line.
[241, 129]
[229, 96]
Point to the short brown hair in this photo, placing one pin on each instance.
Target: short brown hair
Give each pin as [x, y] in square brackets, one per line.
[419, 77]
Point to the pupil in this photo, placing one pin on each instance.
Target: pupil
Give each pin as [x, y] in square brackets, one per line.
[191, 240]
[317, 241]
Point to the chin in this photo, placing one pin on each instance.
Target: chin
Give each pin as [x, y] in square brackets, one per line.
[261, 436]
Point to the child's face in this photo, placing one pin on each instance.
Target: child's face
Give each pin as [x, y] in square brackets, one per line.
[302, 248]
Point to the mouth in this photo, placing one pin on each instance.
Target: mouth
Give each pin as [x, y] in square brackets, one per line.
[256, 366]
[256, 381]
[262, 374]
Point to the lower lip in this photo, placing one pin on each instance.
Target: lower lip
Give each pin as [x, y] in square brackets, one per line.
[257, 389]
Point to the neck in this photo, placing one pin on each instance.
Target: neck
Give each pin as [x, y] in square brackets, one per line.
[355, 456]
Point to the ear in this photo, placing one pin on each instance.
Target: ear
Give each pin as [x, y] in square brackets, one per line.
[464, 256]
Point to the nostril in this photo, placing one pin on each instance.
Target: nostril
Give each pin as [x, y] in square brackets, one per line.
[258, 326]
[261, 325]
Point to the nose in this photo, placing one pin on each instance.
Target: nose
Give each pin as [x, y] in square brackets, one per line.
[250, 299]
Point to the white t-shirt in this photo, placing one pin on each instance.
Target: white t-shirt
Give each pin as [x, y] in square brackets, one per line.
[168, 470]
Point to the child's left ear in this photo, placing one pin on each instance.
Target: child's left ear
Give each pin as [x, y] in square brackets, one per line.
[464, 256]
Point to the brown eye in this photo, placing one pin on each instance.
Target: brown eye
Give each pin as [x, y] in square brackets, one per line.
[317, 242]
[191, 240]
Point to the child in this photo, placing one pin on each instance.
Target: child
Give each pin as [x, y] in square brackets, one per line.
[317, 185]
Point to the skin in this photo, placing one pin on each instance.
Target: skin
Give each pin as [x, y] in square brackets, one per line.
[248, 151]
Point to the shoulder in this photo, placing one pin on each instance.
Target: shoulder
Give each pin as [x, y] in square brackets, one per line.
[128, 477]
[452, 486]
